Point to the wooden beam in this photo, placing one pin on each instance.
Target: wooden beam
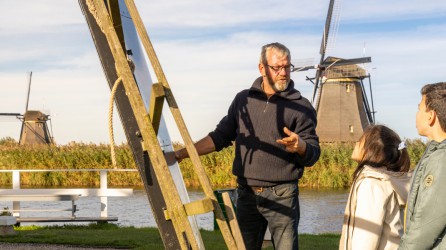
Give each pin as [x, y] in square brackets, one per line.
[68, 191]
[199, 207]
[196, 207]
[115, 16]
[66, 219]
[232, 219]
[156, 105]
[59, 197]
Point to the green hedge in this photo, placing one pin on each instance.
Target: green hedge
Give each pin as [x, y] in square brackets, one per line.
[333, 170]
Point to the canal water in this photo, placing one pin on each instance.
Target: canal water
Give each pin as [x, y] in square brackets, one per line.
[321, 210]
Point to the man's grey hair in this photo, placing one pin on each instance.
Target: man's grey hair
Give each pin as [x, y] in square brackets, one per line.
[276, 46]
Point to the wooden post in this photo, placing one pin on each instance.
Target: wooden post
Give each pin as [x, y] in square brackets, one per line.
[103, 187]
[16, 185]
[232, 219]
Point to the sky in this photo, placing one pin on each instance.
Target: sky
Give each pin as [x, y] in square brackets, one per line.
[209, 51]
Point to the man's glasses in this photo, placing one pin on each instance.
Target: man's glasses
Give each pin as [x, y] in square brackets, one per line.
[277, 69]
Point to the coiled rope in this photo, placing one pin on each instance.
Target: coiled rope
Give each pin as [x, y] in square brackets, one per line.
[110, 121]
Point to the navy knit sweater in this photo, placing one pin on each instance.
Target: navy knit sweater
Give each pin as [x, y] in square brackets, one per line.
[255, 122]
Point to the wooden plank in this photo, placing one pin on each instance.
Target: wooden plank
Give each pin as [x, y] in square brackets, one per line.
[199, 207]
[156, 105]
[66, 197]
[204, 180]
[69, 191]
[66, 170]
[196, 207]
[66, 219]
[42, 210]
[115, 16]
[233, 223]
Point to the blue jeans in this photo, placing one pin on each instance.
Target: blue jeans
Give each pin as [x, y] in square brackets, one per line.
[276, 207]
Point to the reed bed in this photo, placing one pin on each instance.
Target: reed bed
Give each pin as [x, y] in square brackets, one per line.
[333, 170]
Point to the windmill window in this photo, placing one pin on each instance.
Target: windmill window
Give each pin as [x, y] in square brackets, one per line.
[347, 86]
[350, 128]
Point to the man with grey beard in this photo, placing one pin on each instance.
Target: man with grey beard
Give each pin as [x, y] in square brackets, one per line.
[274, 130]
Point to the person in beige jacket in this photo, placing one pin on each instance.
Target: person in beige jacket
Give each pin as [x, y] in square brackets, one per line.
[375, 207]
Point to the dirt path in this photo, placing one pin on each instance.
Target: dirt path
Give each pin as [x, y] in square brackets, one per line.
[28, 246]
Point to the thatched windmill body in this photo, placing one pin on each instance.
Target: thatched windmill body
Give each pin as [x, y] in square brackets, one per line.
[339, 96]
[35, 129]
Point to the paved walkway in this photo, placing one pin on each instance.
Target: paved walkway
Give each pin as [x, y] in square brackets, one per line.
[28, 246]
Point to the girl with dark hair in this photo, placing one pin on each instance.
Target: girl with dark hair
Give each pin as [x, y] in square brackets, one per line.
[375, 207]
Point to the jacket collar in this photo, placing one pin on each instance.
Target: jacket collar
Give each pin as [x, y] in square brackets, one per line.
[434, 145]
[289, 93]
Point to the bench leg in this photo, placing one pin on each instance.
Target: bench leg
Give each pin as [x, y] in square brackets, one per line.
[73, 209]
[16, 208]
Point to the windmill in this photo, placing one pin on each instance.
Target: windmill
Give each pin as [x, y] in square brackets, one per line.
[339, 95]
[34, 124]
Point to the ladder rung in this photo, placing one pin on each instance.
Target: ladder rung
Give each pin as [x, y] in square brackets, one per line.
[196, 207]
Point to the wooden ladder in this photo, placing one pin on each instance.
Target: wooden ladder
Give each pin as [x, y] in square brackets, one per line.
[148, 123]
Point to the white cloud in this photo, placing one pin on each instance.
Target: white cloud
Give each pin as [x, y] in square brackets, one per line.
[382, 10]
[37, 17]
[209, 51]
[197, 13]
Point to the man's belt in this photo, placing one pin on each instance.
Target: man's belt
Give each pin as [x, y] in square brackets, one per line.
[257, 189]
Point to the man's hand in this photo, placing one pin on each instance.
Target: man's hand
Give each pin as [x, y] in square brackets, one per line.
[170, 158]
[203, 146]
[173, 156]
[293, 143]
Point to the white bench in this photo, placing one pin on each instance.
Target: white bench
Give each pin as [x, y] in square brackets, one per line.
[16, 197]
[17, 194]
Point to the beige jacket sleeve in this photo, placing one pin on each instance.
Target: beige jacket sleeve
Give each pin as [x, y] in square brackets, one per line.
[370, 214]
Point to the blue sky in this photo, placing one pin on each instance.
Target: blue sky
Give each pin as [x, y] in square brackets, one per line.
[209, 51]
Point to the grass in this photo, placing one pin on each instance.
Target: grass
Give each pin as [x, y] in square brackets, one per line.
[333, 170]
[111, 235]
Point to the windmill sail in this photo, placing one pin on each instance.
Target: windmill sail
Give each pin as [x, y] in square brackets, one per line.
[325, 40]
[339, 96]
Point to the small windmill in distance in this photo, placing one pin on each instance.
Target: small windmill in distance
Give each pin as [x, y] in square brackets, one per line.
[339, 97]
[34, 124]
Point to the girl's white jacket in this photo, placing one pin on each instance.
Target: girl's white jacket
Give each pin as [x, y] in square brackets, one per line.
[374, 213]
